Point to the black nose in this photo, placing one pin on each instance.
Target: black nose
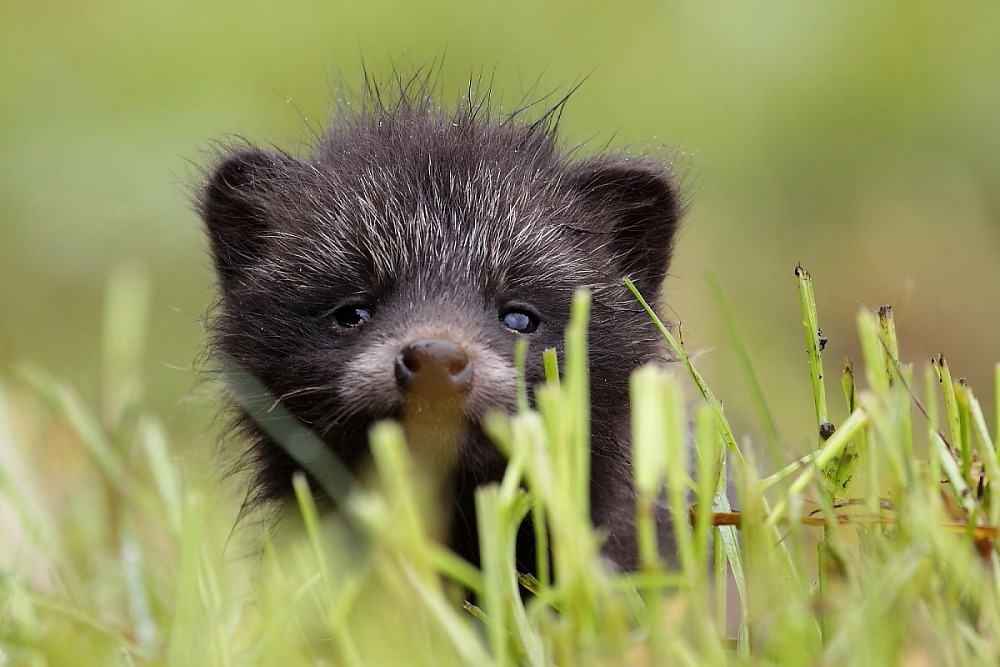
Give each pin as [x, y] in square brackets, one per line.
[433, 368]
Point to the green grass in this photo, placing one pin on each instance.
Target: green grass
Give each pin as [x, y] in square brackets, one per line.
[877, 548]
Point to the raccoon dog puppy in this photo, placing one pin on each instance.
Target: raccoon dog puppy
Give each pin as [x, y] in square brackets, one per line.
[388, 273]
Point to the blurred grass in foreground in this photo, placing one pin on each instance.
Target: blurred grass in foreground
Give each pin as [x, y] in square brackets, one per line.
[862, 553]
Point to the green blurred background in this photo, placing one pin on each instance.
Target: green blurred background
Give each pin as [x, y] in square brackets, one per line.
[859, 138]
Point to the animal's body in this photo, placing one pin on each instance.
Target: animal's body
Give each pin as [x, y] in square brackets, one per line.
[388, 273]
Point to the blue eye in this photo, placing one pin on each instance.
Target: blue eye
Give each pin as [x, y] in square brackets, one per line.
[349, 317]
[519, 320]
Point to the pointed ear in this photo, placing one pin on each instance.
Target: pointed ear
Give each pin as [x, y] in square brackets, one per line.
[644, 210]
[237, 205]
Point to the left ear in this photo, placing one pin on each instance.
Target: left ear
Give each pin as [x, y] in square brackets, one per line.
[644, 209]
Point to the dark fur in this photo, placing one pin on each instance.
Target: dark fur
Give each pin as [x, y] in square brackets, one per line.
[438, 218]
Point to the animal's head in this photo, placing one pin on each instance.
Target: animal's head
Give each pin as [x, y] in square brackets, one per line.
[389, 273]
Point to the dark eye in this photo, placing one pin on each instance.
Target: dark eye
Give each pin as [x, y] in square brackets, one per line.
[353, 315]
[519, 320]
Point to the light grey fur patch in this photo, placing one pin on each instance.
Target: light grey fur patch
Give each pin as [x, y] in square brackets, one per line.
[369, 378]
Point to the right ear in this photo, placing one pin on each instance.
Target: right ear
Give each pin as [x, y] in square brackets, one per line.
[237, 204]
[644, 208]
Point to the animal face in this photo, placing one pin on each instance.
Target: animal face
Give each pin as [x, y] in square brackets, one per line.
[388, 274]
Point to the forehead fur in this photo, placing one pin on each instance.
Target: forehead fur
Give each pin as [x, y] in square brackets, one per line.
[414, 191]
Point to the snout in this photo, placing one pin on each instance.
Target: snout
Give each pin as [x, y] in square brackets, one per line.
[433, 369]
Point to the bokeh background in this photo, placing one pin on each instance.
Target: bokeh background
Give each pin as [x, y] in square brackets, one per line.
[859, 138]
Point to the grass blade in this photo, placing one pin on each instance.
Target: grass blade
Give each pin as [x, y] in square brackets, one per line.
[749, 373]
[814, 347]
